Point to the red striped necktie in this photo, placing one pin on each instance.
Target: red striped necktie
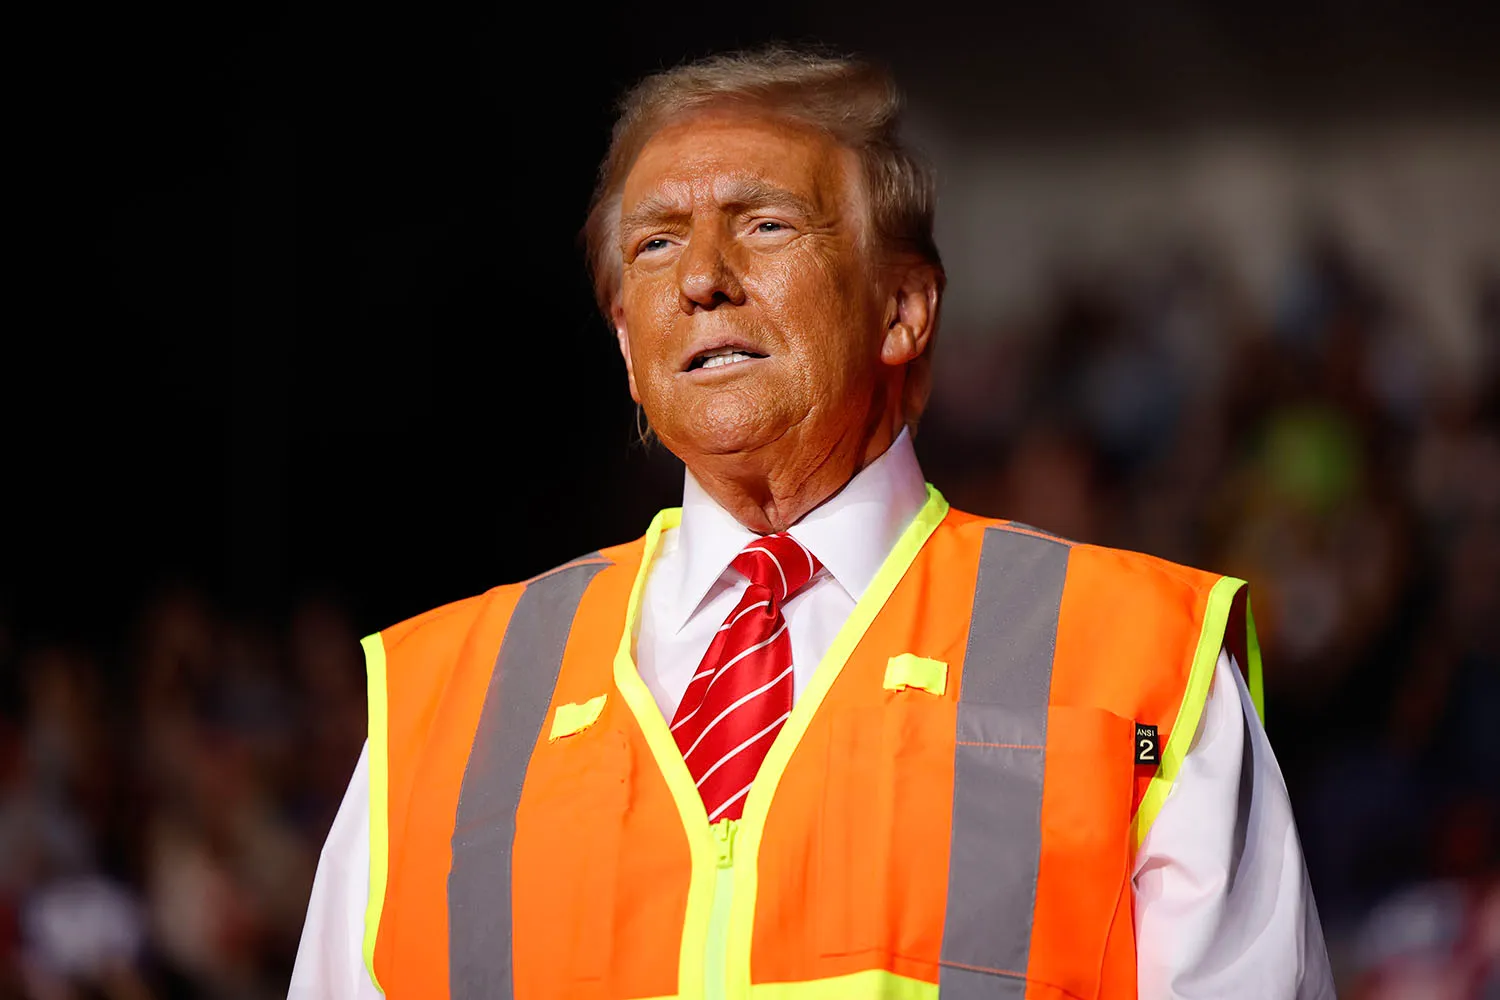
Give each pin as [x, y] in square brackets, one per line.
[741, 694]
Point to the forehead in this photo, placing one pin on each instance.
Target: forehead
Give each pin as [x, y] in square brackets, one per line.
[710, 154]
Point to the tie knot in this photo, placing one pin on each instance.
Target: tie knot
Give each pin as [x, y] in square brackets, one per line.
[779, 563]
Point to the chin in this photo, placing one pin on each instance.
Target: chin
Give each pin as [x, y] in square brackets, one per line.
[725, 427]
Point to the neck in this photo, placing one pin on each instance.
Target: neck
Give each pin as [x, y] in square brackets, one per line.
[773, 487]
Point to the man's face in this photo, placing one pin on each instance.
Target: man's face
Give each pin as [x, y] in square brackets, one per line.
[749, 310]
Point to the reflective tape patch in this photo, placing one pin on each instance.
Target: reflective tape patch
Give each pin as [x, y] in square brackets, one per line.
[910, 671]
[573, 718]
[515, 707]
[998, 765]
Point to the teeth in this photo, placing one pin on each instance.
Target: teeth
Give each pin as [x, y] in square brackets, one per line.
[727, 358]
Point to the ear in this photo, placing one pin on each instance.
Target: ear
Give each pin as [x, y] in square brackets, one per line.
[622, 334]
[911, 315]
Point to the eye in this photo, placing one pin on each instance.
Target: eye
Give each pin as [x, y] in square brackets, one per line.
[769, 226]
[654, 244]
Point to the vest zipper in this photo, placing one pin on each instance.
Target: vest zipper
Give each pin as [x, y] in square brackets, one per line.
[715, 949]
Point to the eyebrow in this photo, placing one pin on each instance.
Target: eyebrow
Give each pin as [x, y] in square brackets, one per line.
[741, 195]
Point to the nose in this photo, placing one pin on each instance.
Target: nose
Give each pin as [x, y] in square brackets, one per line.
[705, 277]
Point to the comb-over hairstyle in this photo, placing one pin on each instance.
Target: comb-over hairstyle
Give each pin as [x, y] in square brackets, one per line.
[854, 101]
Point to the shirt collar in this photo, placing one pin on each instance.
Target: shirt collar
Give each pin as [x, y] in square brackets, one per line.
[851, 532]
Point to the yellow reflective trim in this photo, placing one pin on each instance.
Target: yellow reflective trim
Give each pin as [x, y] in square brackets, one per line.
[1257, 683]
[378, 759]
[715, 952]
[911, 671]
[575, 717]
[873, 984]
[690, 811]
[758, 802]
[722, 833]
[1185, 727]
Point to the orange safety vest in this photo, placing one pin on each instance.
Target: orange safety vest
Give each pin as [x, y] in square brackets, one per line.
[954, 802]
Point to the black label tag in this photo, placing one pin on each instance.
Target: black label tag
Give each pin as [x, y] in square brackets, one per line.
[1145, 745]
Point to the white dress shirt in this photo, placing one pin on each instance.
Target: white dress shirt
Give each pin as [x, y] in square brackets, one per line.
[1223, 908]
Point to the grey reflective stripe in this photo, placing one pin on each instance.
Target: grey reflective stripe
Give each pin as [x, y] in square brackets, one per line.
[998, 762]
[515, 706]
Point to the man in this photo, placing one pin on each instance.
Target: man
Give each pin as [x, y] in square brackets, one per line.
[816, 734]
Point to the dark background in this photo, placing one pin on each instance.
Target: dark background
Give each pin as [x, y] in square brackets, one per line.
[303, 345]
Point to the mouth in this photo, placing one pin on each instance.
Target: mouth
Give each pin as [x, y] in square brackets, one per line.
[722, 357]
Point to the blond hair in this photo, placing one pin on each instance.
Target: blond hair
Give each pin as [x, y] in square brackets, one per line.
[854, 101]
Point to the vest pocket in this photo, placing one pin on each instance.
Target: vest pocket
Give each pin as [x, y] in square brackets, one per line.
[882, 846]
[1036, 868]
[1084, 865]
[566, 862]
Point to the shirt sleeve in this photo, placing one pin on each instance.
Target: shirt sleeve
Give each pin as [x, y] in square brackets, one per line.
[330, 958]
[1223, 906]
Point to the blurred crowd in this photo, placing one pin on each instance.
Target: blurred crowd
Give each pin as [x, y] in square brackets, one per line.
[1320, 446]
[161, 817]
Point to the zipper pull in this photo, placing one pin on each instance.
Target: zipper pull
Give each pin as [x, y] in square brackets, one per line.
[723, 836]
